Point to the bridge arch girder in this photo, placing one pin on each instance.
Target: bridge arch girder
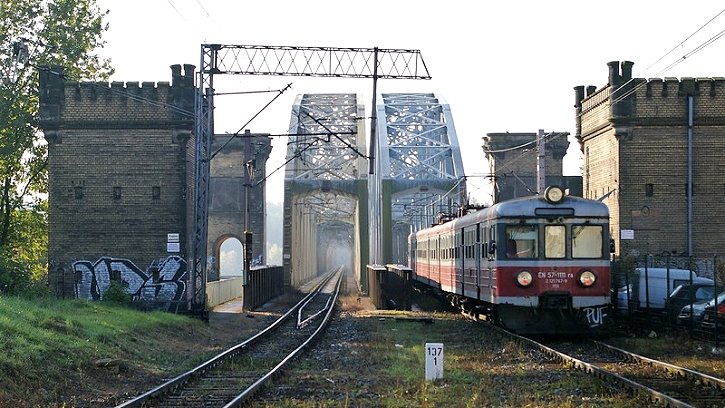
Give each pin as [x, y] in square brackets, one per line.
[325, 182]
[420, 169]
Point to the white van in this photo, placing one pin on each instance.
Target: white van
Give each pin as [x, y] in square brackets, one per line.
[649, 290]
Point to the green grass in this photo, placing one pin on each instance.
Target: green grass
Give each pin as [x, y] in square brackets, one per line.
[483, 372]
[51, 345]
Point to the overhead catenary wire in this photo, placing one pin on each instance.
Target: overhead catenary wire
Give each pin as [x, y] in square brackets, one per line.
[681, 59]
[176, 10]
[235, 134]
[638, 86]
[424, 201]
[205, 11]
[337, 136]
[683, 41]
[672, 65]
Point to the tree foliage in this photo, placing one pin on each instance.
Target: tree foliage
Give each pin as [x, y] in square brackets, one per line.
[33, 34]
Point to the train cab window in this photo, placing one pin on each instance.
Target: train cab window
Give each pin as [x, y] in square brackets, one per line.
[586, 241]
[522, 241]
[555, 241]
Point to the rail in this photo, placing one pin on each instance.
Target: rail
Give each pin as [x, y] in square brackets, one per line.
[694, 378]
[179, 381]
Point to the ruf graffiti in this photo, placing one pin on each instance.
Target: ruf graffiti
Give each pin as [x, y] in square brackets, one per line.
[162, 281]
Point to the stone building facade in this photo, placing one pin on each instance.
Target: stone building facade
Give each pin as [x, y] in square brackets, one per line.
[653, 149]
[512, 160]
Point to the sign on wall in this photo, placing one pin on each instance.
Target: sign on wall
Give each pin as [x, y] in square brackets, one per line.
[172, 243]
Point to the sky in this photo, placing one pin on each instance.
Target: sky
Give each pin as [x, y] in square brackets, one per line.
[500, 65]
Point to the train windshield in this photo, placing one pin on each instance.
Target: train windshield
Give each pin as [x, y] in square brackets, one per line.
[522, 241]
[586, 241]
[555, 241]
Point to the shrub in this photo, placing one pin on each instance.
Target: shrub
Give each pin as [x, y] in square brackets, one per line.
[117, 293]
[15, 278]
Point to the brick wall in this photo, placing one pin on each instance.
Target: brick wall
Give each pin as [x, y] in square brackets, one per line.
[639, 151]
[119, 160]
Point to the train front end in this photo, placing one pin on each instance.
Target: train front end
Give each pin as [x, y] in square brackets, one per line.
[552, 264]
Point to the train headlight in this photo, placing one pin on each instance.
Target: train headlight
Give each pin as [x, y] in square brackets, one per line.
[553, 194]
[587, 278]
[524, 278]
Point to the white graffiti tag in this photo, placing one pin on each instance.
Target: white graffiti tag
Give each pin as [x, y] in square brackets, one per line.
[163, 280]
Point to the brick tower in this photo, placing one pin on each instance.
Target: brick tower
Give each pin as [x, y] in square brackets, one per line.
[512, 159]
[653, 149]
[120, 174]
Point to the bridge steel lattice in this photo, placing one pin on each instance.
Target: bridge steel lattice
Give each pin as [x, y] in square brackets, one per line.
[325, 187]
[420, 168]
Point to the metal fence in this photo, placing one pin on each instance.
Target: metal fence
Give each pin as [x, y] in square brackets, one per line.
[390, 286]
[264, 284]
[641, 289]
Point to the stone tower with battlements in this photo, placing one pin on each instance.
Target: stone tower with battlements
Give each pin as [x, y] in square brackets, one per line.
[653, 150]
[120, 173]
[512, 159]
[237, 203]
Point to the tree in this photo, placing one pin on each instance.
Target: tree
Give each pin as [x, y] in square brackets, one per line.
[33, 34]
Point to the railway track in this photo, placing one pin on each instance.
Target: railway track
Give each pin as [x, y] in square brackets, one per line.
[231, 378]
[663, 383]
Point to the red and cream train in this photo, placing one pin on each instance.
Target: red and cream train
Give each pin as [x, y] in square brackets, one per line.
[536, 264]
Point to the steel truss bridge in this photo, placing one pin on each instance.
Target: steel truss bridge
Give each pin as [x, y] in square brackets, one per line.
[338, 212]
[347, 199]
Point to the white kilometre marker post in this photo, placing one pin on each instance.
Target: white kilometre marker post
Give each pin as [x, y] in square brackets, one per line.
[433, 361]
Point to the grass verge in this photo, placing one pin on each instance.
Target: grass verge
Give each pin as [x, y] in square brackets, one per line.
[55, 352]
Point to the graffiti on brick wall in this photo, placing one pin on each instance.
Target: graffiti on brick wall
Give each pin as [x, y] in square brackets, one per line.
[162, 281]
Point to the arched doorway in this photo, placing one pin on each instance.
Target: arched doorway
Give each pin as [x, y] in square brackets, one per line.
[231, 258]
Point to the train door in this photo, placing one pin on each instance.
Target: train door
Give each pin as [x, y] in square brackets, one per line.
[477, 257]
[485, 272]
[492, 255]
[412, 252]
[437, 261]
[461, 259]
[458, 259]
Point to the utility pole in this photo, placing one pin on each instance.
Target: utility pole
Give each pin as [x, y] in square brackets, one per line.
[540, 162]
[248, 175]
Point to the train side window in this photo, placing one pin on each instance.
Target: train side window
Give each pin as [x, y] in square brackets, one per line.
[555, 241]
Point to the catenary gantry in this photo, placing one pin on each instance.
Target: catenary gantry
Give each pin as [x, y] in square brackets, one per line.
[230, 59]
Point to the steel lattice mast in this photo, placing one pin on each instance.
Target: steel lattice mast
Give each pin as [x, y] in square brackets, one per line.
[220, 59]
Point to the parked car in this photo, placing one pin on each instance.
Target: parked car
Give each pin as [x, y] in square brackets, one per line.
[693, 315]
[710, 314]
[649, 288]
[687, 294]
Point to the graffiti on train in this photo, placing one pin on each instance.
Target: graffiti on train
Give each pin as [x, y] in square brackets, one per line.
[162, 281]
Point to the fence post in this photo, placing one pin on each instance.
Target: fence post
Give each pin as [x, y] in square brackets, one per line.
[646, 280]
[668, 275]
[714, 279]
